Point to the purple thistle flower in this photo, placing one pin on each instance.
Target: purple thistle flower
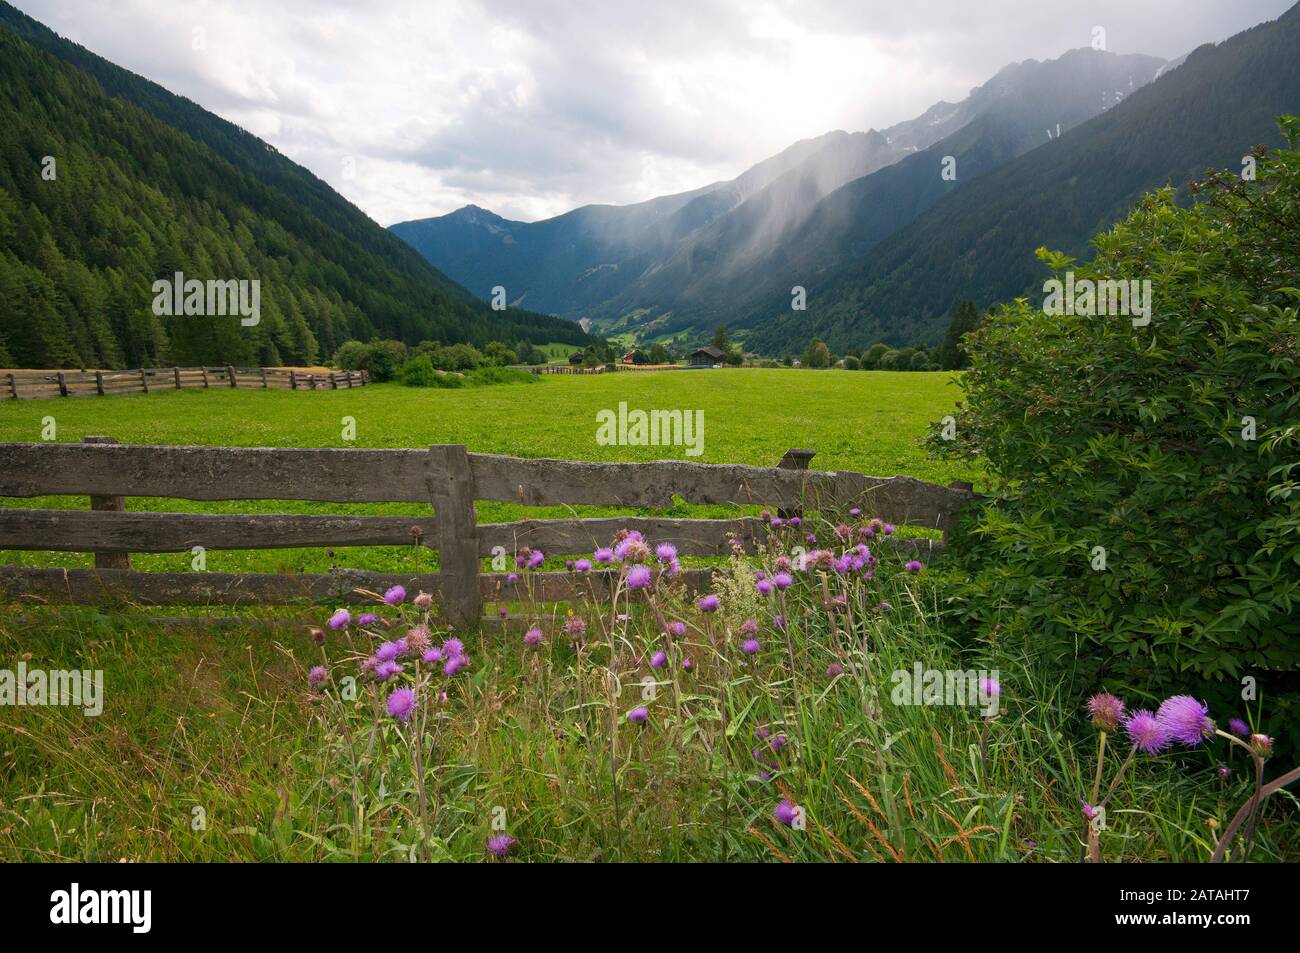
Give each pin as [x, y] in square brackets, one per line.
[795, 521]
[453, 647]
[659, 659]
[395, 596]
[1185, 719]
[583, 565]
[1224, 771]
[750, 647]
[913, 566]
[638, 577]
[454, 664]
[499, 846]
[388, 651]
[855, 512]
[423, 601]
[708, 603]
[1106, 710]
[512, 577]
[1145, 731]
[317, 676]
[834, 669]
[885, 607]
[777, 522]
[666, 552]
[749, 627]
[603, 555]
[340, 619]
[677, 628]
[889, 529]
[533, 636]
[786, 812]
[536, 558]
[990, 688]
[782, 580]
[763, 587]
[401, 703]
[1262, 745]
[687, 665]
[639, 716]
[432, 656]
[1239, 727]
[367, 618]
[1088, 810]
[575, 627]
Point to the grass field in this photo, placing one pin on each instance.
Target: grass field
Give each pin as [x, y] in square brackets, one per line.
[865, 421]
[211, 745]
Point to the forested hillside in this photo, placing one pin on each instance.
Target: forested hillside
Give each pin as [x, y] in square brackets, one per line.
[143, 184]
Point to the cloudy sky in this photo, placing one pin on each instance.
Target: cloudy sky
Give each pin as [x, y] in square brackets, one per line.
[414, 108]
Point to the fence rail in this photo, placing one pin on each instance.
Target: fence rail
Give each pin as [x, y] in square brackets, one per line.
[35, 385]
[446, 477]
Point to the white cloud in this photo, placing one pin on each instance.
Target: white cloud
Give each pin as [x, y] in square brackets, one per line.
[532, 108]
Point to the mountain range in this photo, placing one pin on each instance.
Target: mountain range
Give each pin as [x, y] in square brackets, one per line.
[882, 242]
[108, 182]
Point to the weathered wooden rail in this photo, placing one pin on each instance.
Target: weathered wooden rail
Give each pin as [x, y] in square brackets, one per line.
[34, 385]
[446, 477]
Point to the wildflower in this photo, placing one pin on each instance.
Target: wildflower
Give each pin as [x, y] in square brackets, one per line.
[855, 512]
[536, 558]
[885, 607]
[913, 566]
[424, 602]
[777, 743]
[512, 577]
[1088, 810]
[1239, 727]
[676, 628]
[318, 636]
[764, 587]
[782, 564]
[388, 651]
[638, 716]
[708, 603]
[990, 688]
[750, 647]
[603, 555]
[666, 552]
[889, 529]
[499, 846]
[786, 812]
[777, 522]
[1224, 771]
[395, 596]
[778, 620]
[834, 669]
[638, 577]
[317, 676]
[1146, 732]
[453, 647]
[340, 619]
[417, 640]
[795, 521]
[659, 659]
[687, 665]
[367, 618]
[583, 565]
[842, 531]
[401, 703]
[1262, 745]
[454, 664]
[748, 627]
[432, 656]
[1185, 719]
[1107, 711]
[533, 636]
[575, 627]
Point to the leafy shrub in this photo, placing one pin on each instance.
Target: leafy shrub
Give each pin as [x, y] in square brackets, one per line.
[382, 359]
[487, 376]
[851, 363]
[1168, 449]
[419, 372]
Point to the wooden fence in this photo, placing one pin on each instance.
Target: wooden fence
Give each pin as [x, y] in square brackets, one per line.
[446, 477]
[26, 385]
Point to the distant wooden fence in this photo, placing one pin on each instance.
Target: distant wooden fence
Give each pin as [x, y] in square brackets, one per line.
[25, 385]
[444, 476]
[570, 369]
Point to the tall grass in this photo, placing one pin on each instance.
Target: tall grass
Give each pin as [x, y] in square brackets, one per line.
[215, 747]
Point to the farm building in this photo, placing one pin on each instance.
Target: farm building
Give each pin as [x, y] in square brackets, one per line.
[706, 357]
[575, 357]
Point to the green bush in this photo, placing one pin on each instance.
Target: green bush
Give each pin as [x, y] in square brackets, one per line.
[419, 372]
[488, 376]
[1172, 447]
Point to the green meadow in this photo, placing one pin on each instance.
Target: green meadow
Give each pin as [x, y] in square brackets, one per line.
[870, 422]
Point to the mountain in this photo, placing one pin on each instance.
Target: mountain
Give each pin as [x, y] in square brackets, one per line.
[145, 184]
[691, 260]
[979, 241]
[744, 265]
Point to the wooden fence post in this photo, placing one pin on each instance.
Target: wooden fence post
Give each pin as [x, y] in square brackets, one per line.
[293, 380]
[144, 383]
[452, 492]
[99, 382]
[264, 384]
[13, 386]
[63, 385]
[794, 459]
[205, 376]
[115, 504]
[231, 371]
[176, 375]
